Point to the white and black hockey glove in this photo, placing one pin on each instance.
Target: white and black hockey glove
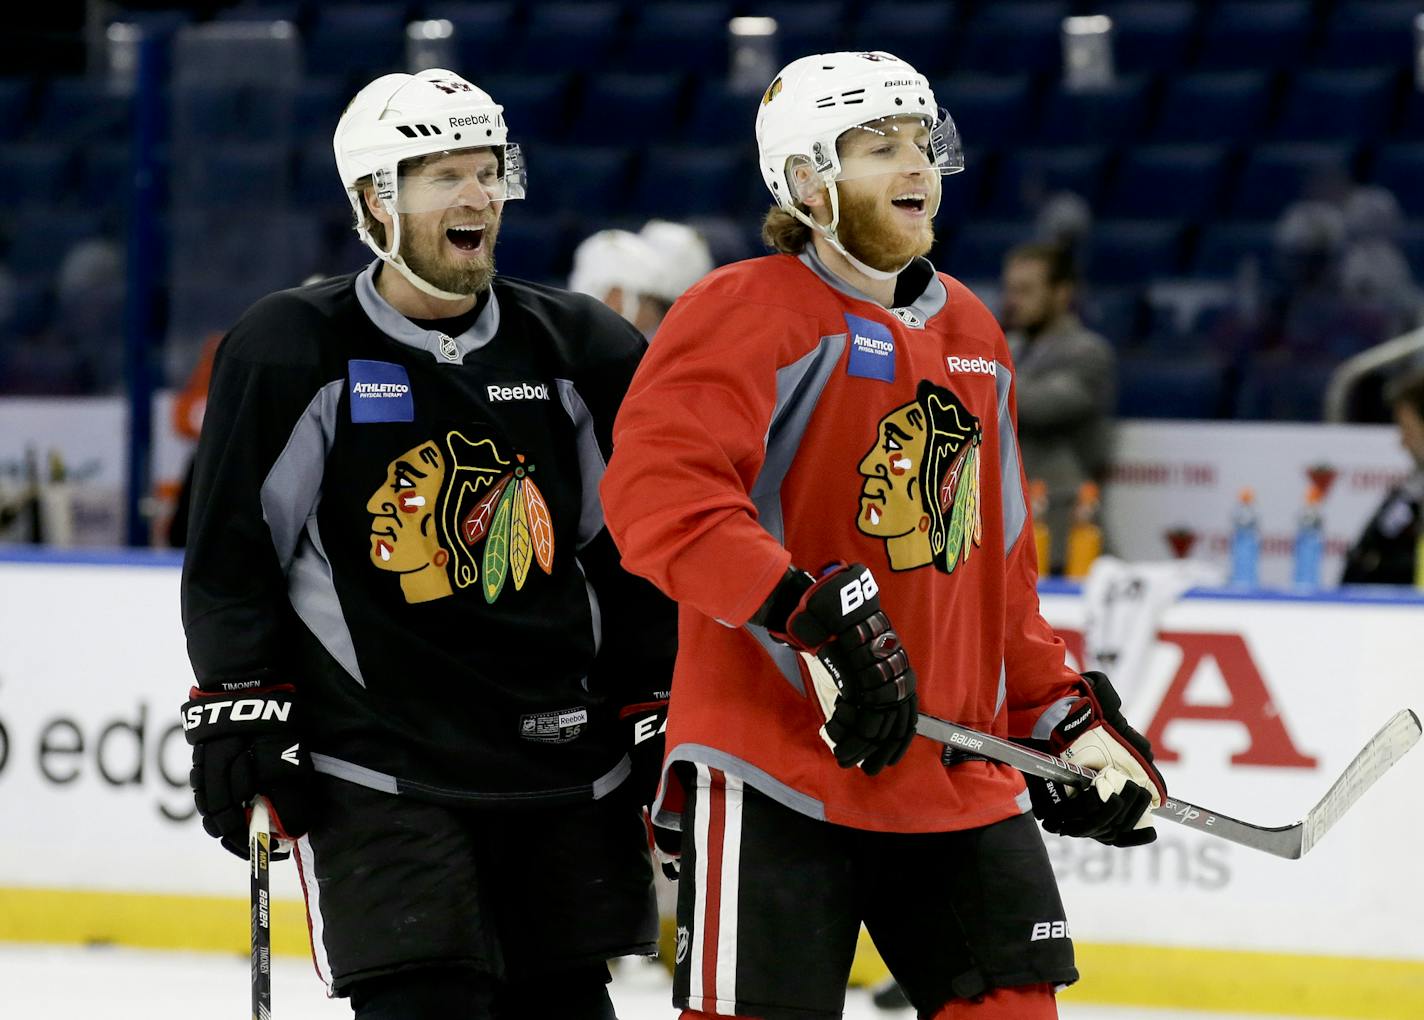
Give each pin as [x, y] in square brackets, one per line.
[1116, 809]
[859, 666]
[245, 745]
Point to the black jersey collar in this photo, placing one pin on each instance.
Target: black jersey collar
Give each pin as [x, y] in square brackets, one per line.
[919, 292]
[402, 330]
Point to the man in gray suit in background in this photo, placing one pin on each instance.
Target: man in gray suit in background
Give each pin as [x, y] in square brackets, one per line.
[1067, 383]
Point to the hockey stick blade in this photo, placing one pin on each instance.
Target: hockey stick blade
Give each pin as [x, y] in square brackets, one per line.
[1387, 746]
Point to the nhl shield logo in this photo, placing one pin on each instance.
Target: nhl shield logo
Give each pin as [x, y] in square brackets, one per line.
[682, 940]
[448, 349]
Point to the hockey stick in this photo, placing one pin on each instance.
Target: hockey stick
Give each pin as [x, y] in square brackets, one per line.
[259, 854]
[1376, 758]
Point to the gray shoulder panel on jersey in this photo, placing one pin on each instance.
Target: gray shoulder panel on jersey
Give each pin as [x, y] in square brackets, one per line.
[762, 782]
[591, 462]
[312, 592]
[289, 496]
[292, 487]
[386, 783]
[1015, 505]
[798, 389]
[402, 330]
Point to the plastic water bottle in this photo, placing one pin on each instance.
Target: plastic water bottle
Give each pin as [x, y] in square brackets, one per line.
[1245, 541]
[1309, 541]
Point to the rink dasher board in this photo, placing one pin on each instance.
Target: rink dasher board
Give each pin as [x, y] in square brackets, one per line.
[92, 668]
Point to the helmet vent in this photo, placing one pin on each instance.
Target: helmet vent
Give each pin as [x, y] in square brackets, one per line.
[423, 130]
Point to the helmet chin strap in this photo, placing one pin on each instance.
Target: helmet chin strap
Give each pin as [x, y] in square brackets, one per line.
[397, 262]
[829, 232]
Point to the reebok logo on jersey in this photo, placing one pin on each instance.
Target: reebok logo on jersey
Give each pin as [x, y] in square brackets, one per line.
[975, 366]
[872, 349]
[519, 391]
[380, 392]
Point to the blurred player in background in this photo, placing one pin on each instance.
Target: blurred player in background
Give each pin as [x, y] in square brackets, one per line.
[818, 461]
[408, 624]
[640, 275]
[1387, 550]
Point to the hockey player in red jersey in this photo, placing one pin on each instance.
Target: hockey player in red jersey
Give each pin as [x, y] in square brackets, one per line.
[818, 461]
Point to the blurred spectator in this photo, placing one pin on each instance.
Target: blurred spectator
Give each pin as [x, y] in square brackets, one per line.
[89, 311]
[626, 273]
[1066, 382]
[1373, 269]
[1385, 552]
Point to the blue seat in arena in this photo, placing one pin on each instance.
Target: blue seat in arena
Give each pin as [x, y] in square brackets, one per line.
[962, 194]
[1115, 312]
[1281, 389]
[533, 248]
[1014, 37]
[1133, 251]
[1329, 105]
[36, 172]
[979, 246]
[1027, 176]
[1111, 114]
[316, 185]
[989, 109]
[1399, 166]
[1158, 387]
[571, 36]
[611, 105]
[574, 178]
[357, 39]
[695, 180]
[1256, 34]
[318, 105]
[1223, 246]
[812, 26]
[106, 174]
[1183, 181]
[1369, 33]
[688, 36]
[1214, 106]
[1152, 36]
[32, 308]
[223, 176]
[486, 35]
[15, 96]
[81, 109]
[535, 105]
[918, 31]
[717, 113]
[44, 235]
[1277, 174]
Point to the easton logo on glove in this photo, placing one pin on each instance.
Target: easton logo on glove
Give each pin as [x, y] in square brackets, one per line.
[238, 710]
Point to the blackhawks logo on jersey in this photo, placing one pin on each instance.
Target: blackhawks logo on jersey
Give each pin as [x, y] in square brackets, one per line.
[453, 513]
[921, 491]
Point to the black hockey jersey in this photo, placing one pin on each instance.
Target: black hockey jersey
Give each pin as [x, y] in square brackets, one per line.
[405, 525]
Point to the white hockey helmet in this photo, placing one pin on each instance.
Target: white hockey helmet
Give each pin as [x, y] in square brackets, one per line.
[400, 117]
[815, 100]
[622, 259]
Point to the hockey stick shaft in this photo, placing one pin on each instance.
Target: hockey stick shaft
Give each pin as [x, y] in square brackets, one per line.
[1393, 740]
[259, 853]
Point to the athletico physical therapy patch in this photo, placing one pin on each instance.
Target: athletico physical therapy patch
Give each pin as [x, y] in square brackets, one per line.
[872, 349]
[380, 391]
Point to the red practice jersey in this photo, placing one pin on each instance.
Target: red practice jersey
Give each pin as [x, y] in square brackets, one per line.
[780, 417]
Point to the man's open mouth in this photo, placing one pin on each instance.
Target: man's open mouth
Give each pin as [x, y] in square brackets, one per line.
[466, 238]
[911, 201]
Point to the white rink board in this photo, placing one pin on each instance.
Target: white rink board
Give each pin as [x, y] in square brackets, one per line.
[1334, 673]
[96, 652]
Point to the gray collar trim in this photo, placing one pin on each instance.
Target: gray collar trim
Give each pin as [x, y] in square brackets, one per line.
[929, 304]
[436, 344]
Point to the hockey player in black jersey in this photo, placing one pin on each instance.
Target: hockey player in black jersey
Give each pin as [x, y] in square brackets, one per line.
[410, 631]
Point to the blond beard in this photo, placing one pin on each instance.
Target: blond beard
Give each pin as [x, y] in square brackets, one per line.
[868, 232]
[426, 260]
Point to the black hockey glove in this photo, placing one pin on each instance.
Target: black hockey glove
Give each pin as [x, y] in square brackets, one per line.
[1115, 809]
[871, 708]
[646, 728]
[245, 744]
